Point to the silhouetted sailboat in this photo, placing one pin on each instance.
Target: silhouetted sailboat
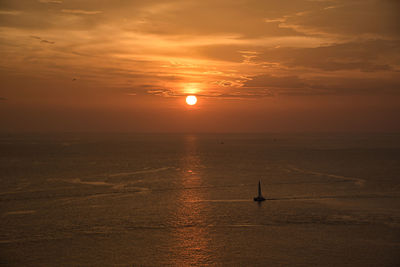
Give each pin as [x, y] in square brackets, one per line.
[259, 197]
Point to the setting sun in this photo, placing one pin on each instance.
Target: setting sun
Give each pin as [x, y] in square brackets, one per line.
[191, 100]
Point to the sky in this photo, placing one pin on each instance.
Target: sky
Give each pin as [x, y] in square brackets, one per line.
[255, 66]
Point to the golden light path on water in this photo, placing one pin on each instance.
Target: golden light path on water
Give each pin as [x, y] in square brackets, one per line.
[191, 237]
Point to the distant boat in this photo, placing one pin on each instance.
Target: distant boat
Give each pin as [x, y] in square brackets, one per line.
[259, 198]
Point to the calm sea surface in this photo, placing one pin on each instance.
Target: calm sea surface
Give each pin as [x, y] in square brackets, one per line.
[186, 200]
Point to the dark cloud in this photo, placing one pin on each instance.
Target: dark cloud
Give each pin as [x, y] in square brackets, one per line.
[350, 17]
[373, 55]
[322, 85]
[282, 85]
[246, 93]
[42, 40]
[357, 86]
[368, 56]
[275, 81]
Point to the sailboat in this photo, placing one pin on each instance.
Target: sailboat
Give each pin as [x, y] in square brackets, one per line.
[259, 198]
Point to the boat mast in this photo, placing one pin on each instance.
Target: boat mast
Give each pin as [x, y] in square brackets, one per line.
[259, 188]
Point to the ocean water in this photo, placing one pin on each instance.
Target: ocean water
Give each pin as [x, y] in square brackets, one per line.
[187, 200]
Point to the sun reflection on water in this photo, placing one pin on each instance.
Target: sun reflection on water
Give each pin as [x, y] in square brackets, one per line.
[191, 234]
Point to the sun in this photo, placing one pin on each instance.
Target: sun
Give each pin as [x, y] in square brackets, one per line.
[191, 100]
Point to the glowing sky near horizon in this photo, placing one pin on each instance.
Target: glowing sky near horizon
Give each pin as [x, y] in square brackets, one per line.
[298, 65]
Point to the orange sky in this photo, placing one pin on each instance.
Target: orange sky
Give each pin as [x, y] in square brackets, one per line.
[256, 66]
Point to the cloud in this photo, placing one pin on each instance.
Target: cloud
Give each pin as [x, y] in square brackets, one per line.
[42, 40]
[47, 42]
[164, 92]
[246, 94]
[51, 1]
[81, 12]
[235, 93]
[3, 98]
[275, 81]
[248, 49]
[357, 86]
[367, 56]
[10, 12]
[244, 18]
[350, 18]
[281, 85]
[321, 85]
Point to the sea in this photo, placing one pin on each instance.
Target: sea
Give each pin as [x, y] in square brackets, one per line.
[123, 199]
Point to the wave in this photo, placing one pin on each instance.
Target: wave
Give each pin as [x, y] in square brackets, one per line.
[122, 174]
[20, 212]
[355, 180]
[96, 183]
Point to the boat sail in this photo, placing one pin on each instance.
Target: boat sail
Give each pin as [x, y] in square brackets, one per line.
[259, 197]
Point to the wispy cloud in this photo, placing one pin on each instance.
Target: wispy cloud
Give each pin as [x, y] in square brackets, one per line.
[51, 1]
[236, 93]
[42, 40]
[81, 12]
[247, 94]
[10, 12]
[119, 55]
[163, 92]
[265, 52]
